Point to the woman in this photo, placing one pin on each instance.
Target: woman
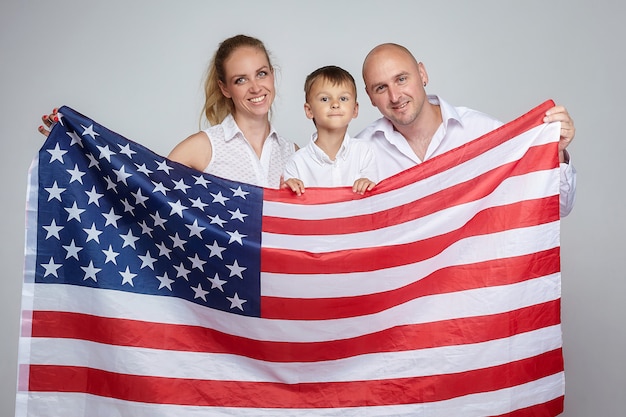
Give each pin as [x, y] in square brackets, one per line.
[241, 144]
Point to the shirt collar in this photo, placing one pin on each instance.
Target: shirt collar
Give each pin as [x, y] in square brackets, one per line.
[231, 130]
[320, 156]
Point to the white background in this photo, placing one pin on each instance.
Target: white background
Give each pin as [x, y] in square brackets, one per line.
[137, 68]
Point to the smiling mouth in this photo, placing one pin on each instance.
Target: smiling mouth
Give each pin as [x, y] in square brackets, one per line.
[257, 99]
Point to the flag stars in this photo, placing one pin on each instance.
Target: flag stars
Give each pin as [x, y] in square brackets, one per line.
[194, 229]
[197, 203]
[200, 180]
[177, 208]
[239, 192]
[128, 208]
[165, 281]
[160, 188]
[199, 292]
[181, 271]
[180, 185]
[111, 255]
[178, 242]
[111, 185]
[93, 161]
[57, 153]
[105, 152]
[129, 239]
[72, 250]
[93, 233]
[139, 198]
[217, 220]
[145, 229]
[111, 218]
[89, 131]
[126, 150]
[94, 196]
[75, 139]
[127, 277]
[216, 250]
[216, 282]
[235, 269]
[163, 166]
[51, 268]
[53, 230]
[237, 215]
[147, 261]
[236, 237]
[143, 169]
[74, 212]
[219, 198]
[76, 174]
[122, 175]
[236, 302]
[158, 221]
[196, 262]
[54, 192]
[164, 250]
[90, 271]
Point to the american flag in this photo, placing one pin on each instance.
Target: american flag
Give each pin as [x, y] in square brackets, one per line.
[151, 289]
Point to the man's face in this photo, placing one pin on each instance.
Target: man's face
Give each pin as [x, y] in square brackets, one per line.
[395, 84]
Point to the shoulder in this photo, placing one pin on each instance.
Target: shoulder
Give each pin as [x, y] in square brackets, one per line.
[368, 132]
[195, 151]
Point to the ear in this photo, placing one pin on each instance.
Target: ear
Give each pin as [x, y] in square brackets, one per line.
[356, 111]
[307, 111]
[224, 90]
[423, 74]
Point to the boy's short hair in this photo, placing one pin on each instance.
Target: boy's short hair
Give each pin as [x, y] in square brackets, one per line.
[332, 73]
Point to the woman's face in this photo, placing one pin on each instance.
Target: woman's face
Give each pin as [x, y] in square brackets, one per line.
[249, 82]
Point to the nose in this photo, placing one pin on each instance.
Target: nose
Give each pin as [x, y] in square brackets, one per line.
[334, 104]
[394, 94]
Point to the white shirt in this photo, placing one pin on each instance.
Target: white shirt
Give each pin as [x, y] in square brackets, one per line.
[234, 158]
[459, 126]
[311, 165]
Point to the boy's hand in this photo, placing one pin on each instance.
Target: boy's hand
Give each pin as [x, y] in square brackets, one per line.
[362, 185]
[294, 185]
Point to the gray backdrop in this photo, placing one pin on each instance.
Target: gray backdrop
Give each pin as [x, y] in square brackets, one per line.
[137, 67]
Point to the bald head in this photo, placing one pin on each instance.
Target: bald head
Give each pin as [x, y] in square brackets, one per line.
[384, 52]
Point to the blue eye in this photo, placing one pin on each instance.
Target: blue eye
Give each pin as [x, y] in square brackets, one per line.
[324, 99]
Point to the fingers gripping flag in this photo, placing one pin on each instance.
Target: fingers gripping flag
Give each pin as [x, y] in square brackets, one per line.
[151, 289]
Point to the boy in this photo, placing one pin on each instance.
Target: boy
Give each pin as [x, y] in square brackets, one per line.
[332, 158]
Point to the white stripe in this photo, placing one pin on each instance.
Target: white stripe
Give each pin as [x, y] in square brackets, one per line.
[225, 367]
[475, 405]
[509, 151]
[510, 243]
[477, 302]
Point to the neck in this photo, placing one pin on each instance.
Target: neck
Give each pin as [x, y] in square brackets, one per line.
[420, 132]
[255, 131]
[330, 140]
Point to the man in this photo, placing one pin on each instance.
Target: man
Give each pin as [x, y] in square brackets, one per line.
[416, 127]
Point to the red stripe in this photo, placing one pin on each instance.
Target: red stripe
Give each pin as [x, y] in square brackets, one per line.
[50, 324]
[490, 220]
[430, 167]
[537, 159]
[148, 389]
[548, 409]
[446, 280]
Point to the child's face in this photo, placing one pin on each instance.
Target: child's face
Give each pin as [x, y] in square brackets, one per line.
[331, 106]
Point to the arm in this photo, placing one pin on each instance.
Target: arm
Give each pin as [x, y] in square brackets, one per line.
[195, 151]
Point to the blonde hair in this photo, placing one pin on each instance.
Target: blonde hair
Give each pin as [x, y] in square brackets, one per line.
[216, 106]
[335, 75]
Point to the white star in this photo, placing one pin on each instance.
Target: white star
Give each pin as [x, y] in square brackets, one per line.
[94, 196]
[236, 302]
[143, 169]
[111, 255]
[53, 230]
[239, 192]
[54, 191]
[236, 237]
[216, 282]
[159, 187]
[200, 180]
[178, 242]
[180, 185]
[76, 174]
[237, 215]
[122, 175]
[128, 208]
[105, 152]
[177, 208]
[164, 167]
[199, 292]
[217, 220]
[165, 281]
[147, 260]
[73, 212]
[75, 139]
[163, 250]
[145, 229]
[215, 249]
[57, 154]
[129, 239]
[127, 277]
[194, 229]
[181, 271]
[219, 198]
[139, 198]
[93, 161]
[51, 268]
[93, 233]
[126, 150]
[196, 262]
[72, 250]
[90, 271]
[111, 218]
[111, 185]
[235, 269]
[158, 221]
[89, 131]
[197, 203]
